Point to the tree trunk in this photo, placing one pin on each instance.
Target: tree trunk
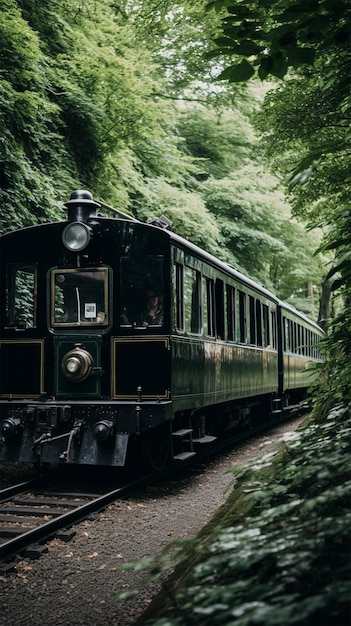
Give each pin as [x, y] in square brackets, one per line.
[325, 304]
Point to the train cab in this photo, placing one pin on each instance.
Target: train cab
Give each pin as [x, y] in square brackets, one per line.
[84, 347]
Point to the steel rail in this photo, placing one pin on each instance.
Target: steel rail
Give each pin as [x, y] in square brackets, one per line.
[14, 490]
[16, 545]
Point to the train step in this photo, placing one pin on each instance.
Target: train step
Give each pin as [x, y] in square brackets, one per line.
[183, 456]
[183, 432]
[205, 439]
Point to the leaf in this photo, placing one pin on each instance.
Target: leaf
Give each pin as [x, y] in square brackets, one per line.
[237, 73]
[344, 261]
[217, 5]
[279, 65]
[224, 41]
[248, 48]
[300, 56]
[265, 67]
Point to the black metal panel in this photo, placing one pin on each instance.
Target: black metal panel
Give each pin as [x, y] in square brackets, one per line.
[21, 368]
[142, 362]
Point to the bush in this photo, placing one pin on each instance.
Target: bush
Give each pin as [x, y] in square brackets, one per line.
[287, 561]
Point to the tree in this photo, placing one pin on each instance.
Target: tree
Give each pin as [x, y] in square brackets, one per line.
[307, 122]
[271, 37]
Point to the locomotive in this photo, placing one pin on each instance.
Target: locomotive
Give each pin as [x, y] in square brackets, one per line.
[119, 336]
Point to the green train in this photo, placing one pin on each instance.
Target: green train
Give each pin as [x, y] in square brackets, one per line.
[120, 340]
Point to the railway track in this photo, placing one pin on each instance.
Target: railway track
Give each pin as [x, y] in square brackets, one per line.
[33, 512]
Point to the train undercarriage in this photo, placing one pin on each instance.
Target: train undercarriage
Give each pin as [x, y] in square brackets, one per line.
[50, 433]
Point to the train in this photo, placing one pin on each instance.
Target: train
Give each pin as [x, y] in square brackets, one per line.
[121, 340]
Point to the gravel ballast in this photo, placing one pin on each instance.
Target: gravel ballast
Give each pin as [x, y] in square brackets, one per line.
[74, 583]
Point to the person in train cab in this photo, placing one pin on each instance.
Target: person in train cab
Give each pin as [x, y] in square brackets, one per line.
[153, 314]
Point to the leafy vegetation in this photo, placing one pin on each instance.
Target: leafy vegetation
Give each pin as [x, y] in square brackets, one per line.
[306, 119]
[271, 37]
[277, 552]
[145, 128]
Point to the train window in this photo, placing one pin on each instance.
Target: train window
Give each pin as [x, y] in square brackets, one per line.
[209, 308]
[303, 341]
[142, 290]
[21, 302]
[204, 305]
[230, 313]
[299, 340]
[192, 300]
[252, 325]
[295, 338]
[259, 322]
[291, 336]
[79, 297]
[274, 329]
[219, 288]
[266, 328]
[242, 316]
[286, 341]
[308, 342]
[179, 296]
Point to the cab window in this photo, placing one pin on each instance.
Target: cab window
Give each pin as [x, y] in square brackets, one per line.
[79, 297]
[142, 292]
[21, 299]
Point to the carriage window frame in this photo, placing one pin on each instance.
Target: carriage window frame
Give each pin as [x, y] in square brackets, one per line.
[21, 295]
[95, 316]
[179, 296]
[209, 307]
[252, 321]
[192, 300]
[242, 316]
[230, 312]
[266, 330]
[274, 321]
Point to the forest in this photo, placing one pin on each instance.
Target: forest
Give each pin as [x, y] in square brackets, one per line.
[125, 100]
[232, 118]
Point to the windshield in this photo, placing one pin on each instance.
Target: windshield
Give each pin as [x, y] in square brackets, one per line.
[79, 297]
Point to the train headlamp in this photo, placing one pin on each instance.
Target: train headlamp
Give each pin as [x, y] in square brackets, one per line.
[76, 365]
[76, 236]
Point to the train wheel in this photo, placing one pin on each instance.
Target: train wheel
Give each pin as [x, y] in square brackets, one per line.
[156, 447]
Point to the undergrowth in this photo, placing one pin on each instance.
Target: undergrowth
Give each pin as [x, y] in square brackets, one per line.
[278, 552]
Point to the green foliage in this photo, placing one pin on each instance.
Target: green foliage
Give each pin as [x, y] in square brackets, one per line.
[257, 229]
[275, 36]
[257, 233]
[220, 140]
[308, 141]
[183, 208]
[288, 561]
[86, 108]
